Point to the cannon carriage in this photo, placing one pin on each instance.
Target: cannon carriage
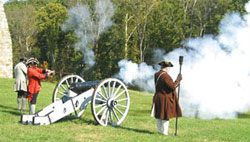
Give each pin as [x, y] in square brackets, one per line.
[109, 101]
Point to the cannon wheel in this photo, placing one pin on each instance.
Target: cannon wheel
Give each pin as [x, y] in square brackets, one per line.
[110, 102]
[63, 86]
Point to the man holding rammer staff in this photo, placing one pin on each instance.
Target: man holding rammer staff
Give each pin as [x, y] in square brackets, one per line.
[165, 101]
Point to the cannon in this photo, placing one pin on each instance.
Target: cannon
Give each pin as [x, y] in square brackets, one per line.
[109, 101]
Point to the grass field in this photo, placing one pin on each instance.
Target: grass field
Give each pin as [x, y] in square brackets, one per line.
[137, 127]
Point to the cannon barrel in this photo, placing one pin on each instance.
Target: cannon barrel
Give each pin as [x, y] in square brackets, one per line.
[80, 87]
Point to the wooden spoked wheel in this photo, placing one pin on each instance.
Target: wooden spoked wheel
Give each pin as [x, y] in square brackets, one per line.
[110, 102]
[63, 86]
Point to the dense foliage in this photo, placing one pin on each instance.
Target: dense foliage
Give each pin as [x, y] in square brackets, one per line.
[139, 26]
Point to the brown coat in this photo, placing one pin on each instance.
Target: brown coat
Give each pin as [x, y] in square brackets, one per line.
[165, 98]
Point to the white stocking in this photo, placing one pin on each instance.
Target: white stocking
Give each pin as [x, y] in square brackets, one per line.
[24, 103]
[159, 125]
[19, 103]
[165, 124]
[32, 108]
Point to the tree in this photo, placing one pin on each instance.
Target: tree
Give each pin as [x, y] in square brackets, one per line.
[142, 30]
[49, 20]
[21, 21]
[139, 26]
[165, 27]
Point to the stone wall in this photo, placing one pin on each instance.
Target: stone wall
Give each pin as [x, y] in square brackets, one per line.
[6, 64]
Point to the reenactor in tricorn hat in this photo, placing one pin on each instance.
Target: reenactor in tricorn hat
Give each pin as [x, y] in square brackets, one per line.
[165, 102]
[35, 74]
[20, 86]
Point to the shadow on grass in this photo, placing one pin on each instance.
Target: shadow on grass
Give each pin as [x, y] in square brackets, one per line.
[67, 118]
[243, 116]
[10, 110]
[92, 122]
[135, 130]
[88, 121]
[76, 120]
[7, 107]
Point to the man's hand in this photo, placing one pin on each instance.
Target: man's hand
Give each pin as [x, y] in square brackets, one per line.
[51, 72]
[179, 77]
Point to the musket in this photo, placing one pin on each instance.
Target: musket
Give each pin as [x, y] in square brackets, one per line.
[56, 72]
[67, 73]
[176, 124]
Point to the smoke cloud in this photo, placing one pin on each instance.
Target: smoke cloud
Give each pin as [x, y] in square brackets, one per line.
[137, 75]
[216, 72]
[87, 28]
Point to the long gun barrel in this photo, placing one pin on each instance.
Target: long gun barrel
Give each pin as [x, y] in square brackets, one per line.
[67, 73]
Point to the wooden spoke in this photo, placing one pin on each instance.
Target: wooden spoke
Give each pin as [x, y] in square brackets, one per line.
[118, 110]
[100, 93]
[116, 116]
[104, 102]
[61, 93]
[124, 99]
[117, 96]
[100, 105]
[98, 99]
[101, 110]
[105, 92]
[63, 88]
[122, 105]
[117, 90]
[67, 83]
[113, 88]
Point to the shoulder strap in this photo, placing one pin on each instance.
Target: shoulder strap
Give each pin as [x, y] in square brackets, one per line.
[158, 78]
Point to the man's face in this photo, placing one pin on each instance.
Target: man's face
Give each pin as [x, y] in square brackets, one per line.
[34, 65]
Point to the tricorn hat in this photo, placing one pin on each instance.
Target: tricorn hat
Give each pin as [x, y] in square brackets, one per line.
[165, 64]
[23, 59]
[32, 61]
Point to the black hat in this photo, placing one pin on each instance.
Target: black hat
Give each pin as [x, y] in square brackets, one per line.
[165, 64]
[23, 59]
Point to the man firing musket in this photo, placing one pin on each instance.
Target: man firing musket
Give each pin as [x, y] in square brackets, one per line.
[35, 74]
[165, 101]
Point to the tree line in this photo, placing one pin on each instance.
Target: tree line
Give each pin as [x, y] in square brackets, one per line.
[139, 27]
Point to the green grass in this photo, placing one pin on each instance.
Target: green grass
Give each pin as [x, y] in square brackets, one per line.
[137, 127]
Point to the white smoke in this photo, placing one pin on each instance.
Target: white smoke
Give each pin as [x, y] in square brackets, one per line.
[87, 28]
[137, 75]
[216, 73]
[105, 9]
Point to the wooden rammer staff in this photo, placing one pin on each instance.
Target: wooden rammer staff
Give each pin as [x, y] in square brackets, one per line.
[176, 124]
